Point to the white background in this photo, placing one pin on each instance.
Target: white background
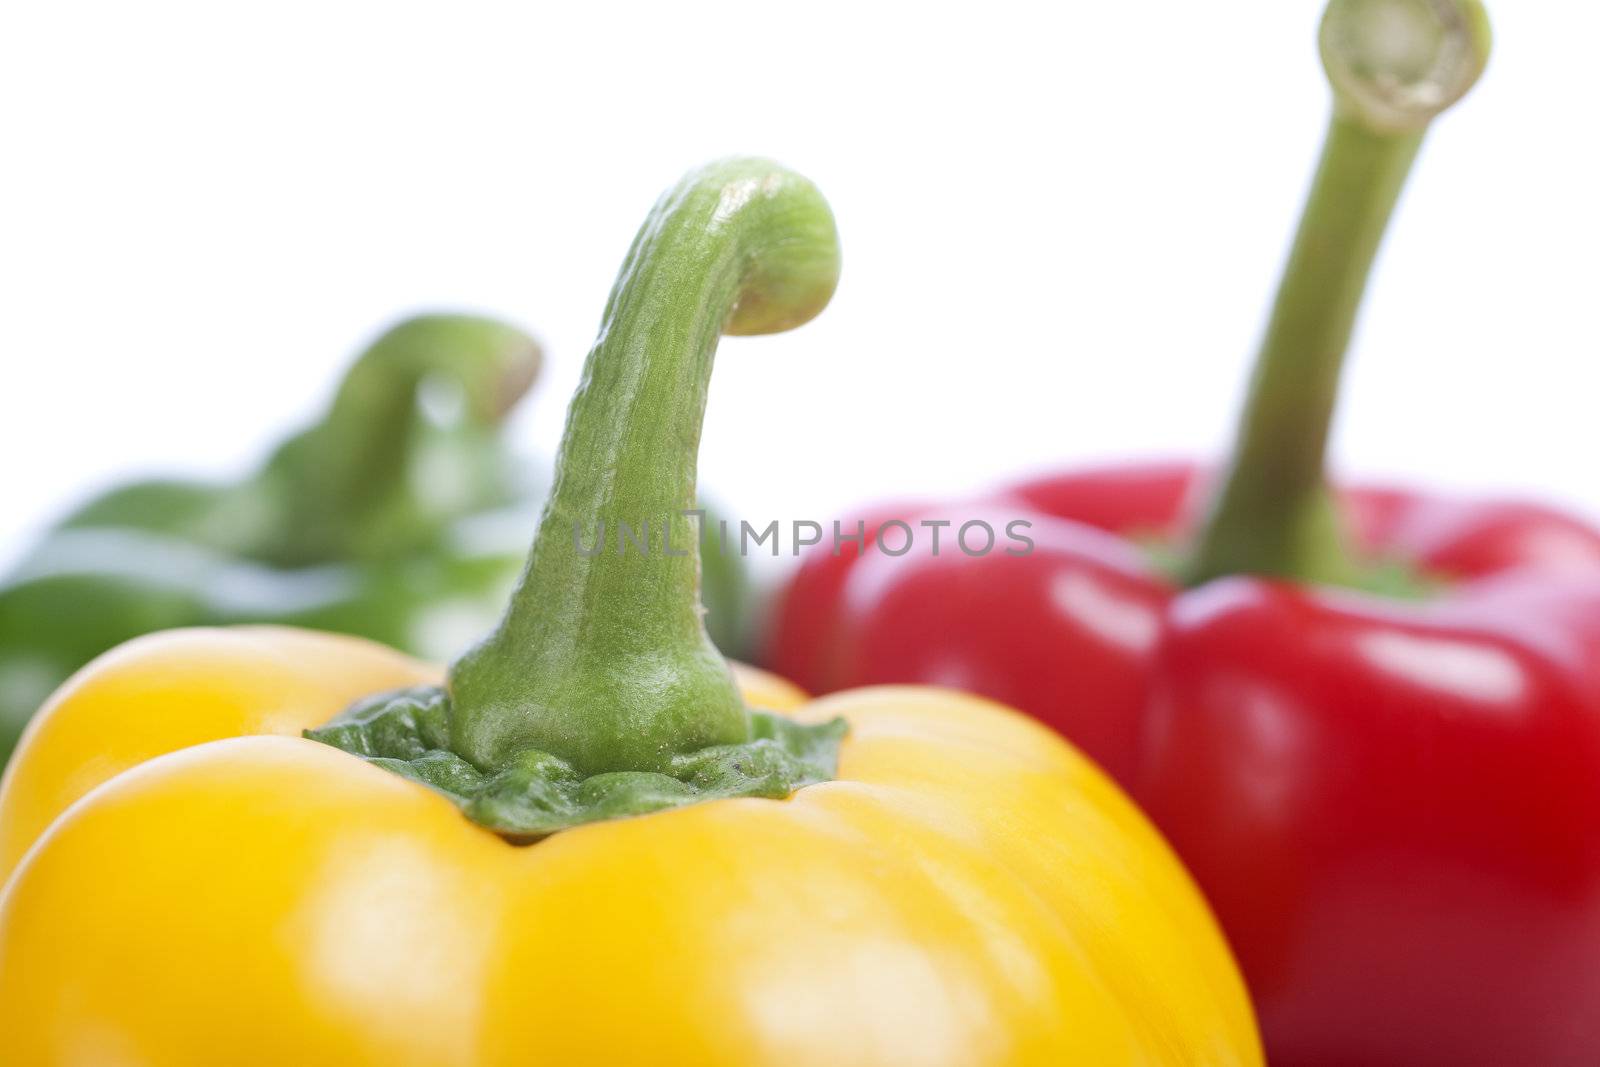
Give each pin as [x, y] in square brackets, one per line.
[1061, 225]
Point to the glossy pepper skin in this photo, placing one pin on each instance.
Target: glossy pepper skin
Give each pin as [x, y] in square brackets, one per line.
[1392, 805]
[400, 516]
[957, 886]
[1389, 793]
[1073, 630]
[970, 891]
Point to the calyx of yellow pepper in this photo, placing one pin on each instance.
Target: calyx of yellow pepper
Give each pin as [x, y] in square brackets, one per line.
[599, 695]
[1394, 66]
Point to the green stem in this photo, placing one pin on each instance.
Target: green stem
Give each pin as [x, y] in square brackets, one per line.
[342, 477]
[1272, 514]
[602, 659]
[1394, 66]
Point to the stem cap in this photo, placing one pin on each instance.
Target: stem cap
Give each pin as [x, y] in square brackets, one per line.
[1396, 64]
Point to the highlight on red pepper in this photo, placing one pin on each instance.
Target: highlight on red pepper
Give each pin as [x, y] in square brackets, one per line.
[1368, 718]
[401, 515]
[590, 841]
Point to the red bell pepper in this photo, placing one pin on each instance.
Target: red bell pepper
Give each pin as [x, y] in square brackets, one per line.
[1369, 720]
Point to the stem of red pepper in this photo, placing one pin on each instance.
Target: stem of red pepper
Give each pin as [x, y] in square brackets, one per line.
[602, 658]
[1394, 65]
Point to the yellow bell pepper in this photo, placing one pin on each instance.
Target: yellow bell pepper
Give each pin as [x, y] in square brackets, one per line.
[585, 847]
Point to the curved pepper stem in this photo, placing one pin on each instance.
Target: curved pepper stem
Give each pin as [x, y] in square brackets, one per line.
[599, 695]
[602, 659]
[1394, 66]
[341, 478]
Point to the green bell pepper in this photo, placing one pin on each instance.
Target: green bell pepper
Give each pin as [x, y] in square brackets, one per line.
[401, 516]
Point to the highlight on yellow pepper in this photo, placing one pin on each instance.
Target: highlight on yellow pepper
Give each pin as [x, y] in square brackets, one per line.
[590, 841]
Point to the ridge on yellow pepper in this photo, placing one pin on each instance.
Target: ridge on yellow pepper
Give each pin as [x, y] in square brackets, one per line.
[591, 841]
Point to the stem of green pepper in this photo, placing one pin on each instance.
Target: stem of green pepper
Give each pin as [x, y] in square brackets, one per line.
[602, 658]
[1394, 66]
[352, 465]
